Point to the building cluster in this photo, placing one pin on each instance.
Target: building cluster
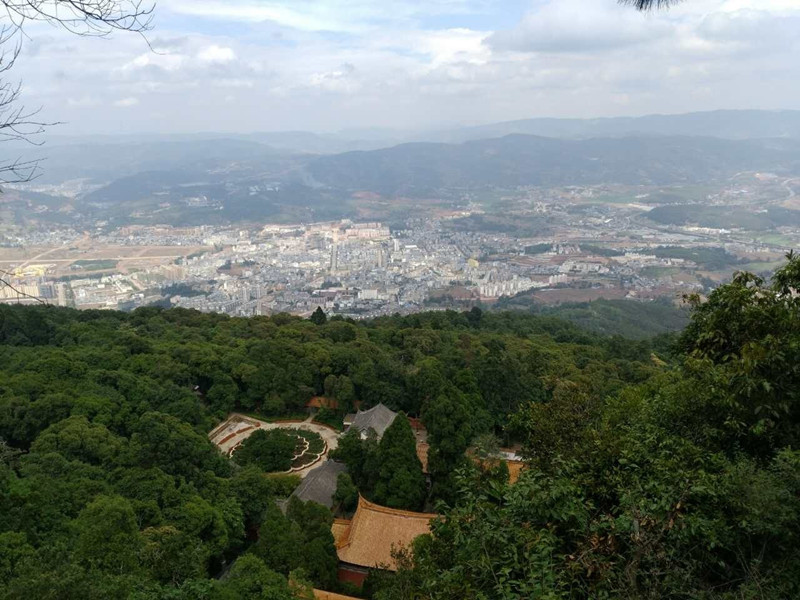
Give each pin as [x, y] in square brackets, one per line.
[544, 241]
[357, 270]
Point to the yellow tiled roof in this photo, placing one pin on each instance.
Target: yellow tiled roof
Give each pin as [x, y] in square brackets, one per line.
[375, 530]
[323, 595]
[514, 469]
[422, 454]
[339, 528]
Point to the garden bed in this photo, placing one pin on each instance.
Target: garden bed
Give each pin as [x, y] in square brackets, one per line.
[309, 448]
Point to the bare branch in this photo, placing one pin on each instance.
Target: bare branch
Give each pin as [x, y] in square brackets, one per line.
[80, 17]
[20, 293]
[84, 17]
[646, 5]
[19, 171]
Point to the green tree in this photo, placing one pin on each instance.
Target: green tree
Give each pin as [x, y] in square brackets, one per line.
[280, 543]
[449, 425]
[250, 579]
[270, 450]
[361, 458]
[107, 535]
[346, 495]
[172, 556]
[254, 492]
[318, 556]
[400, 482]
[319, 317]
[745, 339]
[14, 550]
[77, 438]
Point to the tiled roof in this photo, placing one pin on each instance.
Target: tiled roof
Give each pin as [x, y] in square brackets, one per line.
[377, 418]
[514, 469]
[322, 402]
[323, 595]
[320, 484]
[339, 529]
[422, 454]
[375, 530]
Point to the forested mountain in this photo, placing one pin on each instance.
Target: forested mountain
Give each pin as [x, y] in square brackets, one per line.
[246, 177]
[517, 160]
[628, 318]
[655, 468]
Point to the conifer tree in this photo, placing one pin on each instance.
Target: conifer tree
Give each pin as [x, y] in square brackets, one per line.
[401, 483]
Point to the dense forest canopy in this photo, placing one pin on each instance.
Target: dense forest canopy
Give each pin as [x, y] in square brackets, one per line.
[655, 468]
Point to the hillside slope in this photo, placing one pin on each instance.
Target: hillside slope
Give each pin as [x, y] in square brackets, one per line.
[519, 160]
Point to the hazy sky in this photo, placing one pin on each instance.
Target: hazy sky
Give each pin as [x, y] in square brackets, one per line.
[328, 65]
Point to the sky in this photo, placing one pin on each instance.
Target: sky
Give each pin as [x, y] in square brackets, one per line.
[349, 65]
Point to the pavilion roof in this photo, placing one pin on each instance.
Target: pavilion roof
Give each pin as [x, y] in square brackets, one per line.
[375, 531]
[320, 484]
[377, 418]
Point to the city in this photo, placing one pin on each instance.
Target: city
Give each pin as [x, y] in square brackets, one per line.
[592, 242]
[399, 300]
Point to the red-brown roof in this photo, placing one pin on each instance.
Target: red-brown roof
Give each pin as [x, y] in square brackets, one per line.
[416, 423]
[322, 402]
[375, 531]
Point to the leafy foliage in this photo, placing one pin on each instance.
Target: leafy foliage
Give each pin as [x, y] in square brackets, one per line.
[387, 472]
[652, 471]
[685, 485]
[269, 450]
[400, 483]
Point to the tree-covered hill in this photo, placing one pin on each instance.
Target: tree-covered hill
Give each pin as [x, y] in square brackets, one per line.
[109, 487]
[419, 169]
[631, 319]
[684, 486]
[654, 468]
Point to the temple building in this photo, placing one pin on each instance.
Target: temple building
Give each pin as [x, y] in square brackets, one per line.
[366, 541]
[378, 418]
[320, 484]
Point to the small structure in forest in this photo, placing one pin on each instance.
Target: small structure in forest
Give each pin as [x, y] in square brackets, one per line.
[318, 402]
[378, 418]
[320, 484]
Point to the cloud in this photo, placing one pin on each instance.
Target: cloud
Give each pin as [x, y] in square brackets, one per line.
[216, 54]
[83, 101]
[328, 64]
[339, 80]
[579, 26]
[750, 28]
[325, 15]
[126, 102]
[167, 62]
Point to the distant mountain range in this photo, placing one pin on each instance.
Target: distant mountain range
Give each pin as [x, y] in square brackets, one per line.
[518, 160]
[729, 124]
[304, 175]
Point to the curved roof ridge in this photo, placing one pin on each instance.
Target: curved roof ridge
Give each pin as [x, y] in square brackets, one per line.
[393, 511]
[375, 531]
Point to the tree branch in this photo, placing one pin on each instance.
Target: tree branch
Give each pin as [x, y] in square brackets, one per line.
[646, 5]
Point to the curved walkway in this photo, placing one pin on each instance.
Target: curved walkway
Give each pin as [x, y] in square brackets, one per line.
[238, 427]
